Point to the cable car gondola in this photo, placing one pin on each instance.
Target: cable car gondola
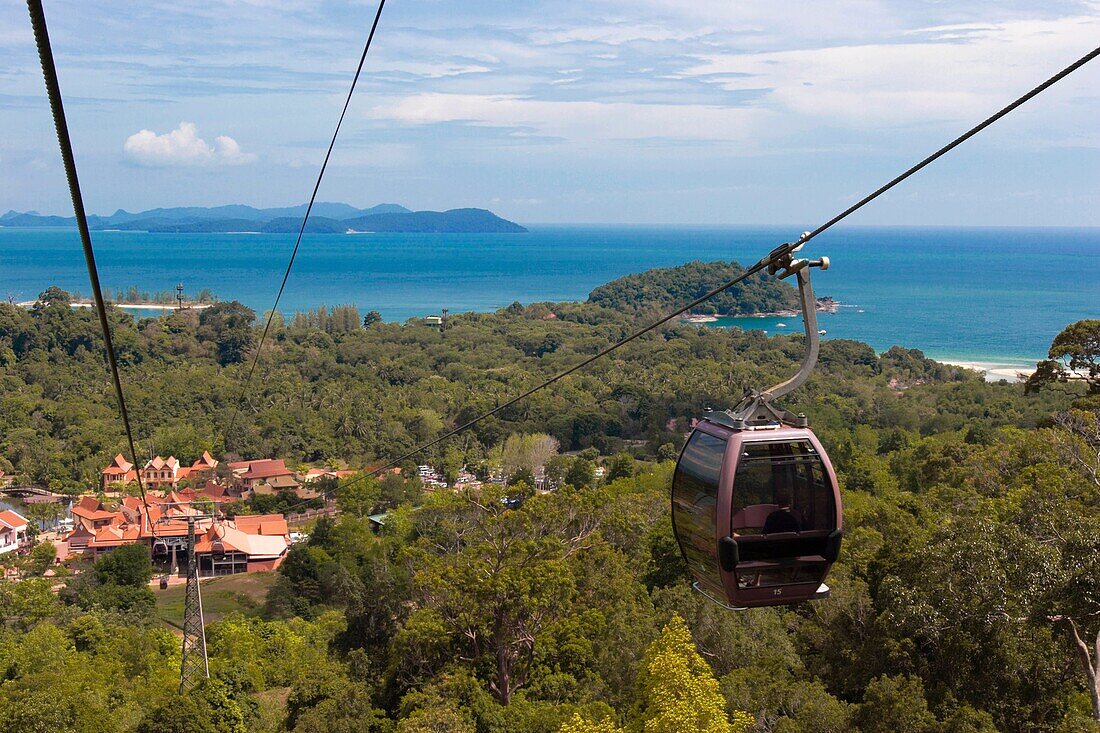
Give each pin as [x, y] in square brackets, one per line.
[755, 503]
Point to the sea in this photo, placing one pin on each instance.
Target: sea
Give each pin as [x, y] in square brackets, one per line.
[989, 295]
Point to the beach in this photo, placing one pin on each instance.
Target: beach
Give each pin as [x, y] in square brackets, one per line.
[995, 371]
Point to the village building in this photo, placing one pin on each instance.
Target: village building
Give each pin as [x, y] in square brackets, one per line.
[316, 474]
[244, 544]
[120, 471]
[158, 473]
[161, 472]
[13, 531]
[275, 484]
[204, 466]
[249, 473]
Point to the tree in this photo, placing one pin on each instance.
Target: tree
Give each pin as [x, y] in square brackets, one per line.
[42, 557]
[529, 452]
[522, 475]
[620, 465]
[1074, 355]
[229, 326]
[371, 318]
[556, 469]
[894, 704]
[358, 495]
[677, 690]
[494, 580]
[581, 474]
[128, 565]
[582, 725]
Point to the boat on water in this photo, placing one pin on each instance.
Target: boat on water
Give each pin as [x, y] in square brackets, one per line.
[781, 325]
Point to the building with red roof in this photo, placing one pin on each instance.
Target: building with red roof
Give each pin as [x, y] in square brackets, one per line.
[250, 473]
[163, 472]
[245, 544]
[13, 531]
[158, 473]
[204, 464]
[120, 472]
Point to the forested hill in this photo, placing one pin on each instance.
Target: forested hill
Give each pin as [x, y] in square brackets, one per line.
[326, 218]
[660, 290]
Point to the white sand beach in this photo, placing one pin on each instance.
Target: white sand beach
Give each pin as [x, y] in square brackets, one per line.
[996, 371]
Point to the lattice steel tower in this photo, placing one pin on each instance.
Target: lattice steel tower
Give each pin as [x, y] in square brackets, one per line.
[195, 666]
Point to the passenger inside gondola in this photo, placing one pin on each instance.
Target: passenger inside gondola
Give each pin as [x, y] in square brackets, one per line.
[783, 519]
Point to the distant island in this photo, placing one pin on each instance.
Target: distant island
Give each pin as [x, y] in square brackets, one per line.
[325, 218]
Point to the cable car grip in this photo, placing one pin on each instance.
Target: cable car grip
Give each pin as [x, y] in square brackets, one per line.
[756, 409]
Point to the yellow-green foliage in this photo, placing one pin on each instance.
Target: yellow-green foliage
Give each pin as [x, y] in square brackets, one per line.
[581, 725]
[678, 691]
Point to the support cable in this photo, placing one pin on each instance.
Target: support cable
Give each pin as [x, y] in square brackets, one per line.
[775, 256]
[53, 90]
[305, 220]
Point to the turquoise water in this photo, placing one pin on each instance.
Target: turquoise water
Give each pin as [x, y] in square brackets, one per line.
[982, 294]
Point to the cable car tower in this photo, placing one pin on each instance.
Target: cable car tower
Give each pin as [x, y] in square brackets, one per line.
[194, 664]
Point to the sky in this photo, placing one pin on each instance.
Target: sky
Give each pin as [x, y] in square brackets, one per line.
[711, 112]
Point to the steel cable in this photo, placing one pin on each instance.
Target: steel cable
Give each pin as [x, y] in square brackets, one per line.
[57, 108]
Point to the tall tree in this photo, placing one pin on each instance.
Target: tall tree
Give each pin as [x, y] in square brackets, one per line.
[229, 326]
[677, 689]
[1074, 355]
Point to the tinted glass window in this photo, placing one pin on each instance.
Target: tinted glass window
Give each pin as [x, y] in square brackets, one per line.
[781, 487]
[788, 575]
[694, 505]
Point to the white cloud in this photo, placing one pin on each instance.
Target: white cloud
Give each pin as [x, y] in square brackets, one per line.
[579, 121]
[953, 73]
[183, 147]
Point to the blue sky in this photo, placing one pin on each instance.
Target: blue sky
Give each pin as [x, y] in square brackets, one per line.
[648, 111]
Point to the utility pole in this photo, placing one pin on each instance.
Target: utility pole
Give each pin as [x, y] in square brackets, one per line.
[179, 295]
[194, 666]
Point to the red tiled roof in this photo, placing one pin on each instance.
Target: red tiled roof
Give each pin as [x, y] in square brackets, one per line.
[204, 462]
[10, 519]
[88, 502]
[90, 508]
[266, 469]
[266, 524]
[159, 463]
[212, 491]
[118, 466]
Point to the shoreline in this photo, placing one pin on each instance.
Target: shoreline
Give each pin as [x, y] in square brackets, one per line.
[129, 306]
[993, 371]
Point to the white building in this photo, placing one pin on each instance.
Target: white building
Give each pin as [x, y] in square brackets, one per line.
[13, 531]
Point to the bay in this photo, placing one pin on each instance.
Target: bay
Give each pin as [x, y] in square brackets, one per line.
[979, 294]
